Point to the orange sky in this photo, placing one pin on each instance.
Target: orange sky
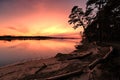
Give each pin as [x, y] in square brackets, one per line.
[37, 17]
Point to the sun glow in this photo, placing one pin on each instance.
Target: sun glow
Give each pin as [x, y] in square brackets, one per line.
[35, 17]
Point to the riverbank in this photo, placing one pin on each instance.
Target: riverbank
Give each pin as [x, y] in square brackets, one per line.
[88, 62]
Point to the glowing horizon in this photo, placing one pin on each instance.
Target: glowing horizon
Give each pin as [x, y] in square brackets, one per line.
[37, 17]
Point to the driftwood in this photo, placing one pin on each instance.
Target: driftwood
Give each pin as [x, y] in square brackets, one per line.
[100, 60]
[62, 76]
[41, 68]
[80, 56]
[94, 63]
[7, 74]
[106, 56]
[62, 57]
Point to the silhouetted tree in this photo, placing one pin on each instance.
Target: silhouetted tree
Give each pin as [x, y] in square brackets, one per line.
[77, 17]
[100, 21]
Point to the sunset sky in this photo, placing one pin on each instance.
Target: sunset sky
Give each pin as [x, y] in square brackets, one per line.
[37, 17]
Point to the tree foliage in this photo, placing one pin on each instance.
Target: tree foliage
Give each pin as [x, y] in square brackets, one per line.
[101, 20]
[77, 17]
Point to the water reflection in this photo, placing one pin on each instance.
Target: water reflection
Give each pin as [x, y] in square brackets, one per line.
[20, 50]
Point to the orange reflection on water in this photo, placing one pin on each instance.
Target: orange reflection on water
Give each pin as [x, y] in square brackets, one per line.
[31, 49]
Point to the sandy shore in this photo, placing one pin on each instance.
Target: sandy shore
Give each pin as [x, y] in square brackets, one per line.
[44, 69]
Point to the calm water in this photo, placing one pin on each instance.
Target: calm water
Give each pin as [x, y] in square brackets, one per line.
[20, 50]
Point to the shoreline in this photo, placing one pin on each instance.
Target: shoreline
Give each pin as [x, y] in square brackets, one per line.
[47, 69]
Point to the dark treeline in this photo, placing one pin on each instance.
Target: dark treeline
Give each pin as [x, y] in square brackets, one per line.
[101, 20]
[9, 38]
[106, 25]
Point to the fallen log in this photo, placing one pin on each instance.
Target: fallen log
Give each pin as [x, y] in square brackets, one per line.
[94, 63]
[100, 60]
[7, 74]
[106, 56]
[62, 76]
[80, 56]
[62, 57]
[41, 68]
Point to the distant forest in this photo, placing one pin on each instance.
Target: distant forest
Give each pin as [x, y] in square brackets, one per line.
[10, 38]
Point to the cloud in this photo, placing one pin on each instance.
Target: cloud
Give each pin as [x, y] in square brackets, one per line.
[19, 29]
[39, 15]
[13, 8]
[75, 35]
[22, 6]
